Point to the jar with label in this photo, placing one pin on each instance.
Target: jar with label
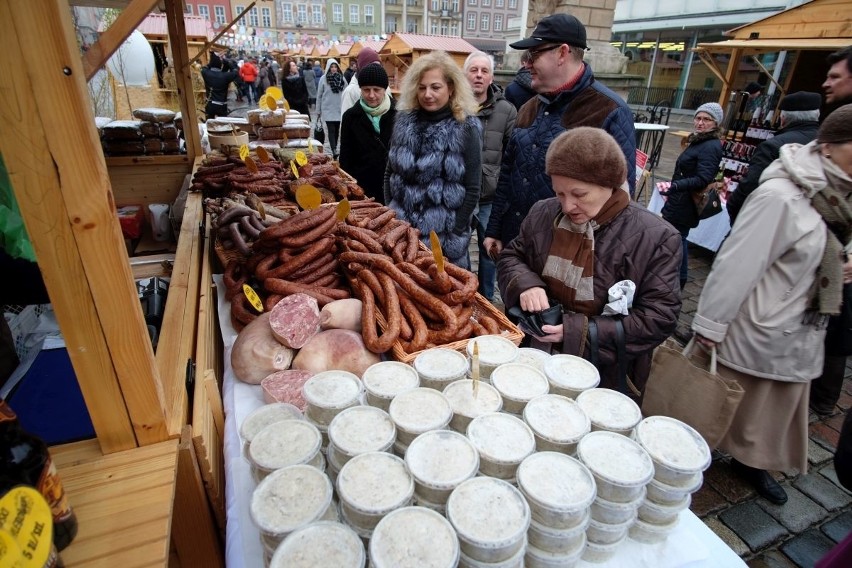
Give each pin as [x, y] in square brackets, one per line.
[26, 528]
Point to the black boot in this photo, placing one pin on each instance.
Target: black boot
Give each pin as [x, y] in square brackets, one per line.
[762, 481]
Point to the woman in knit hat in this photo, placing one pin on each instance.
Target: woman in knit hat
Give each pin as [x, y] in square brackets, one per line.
[695, 168]
[573, 248]
[366, 131]
[775, 282]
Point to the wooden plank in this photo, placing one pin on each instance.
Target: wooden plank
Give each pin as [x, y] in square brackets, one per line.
[111, 39]
[183, 77]
[730, 74]
[817, 19]
[152, 265]
[60, 180]
[143, 184]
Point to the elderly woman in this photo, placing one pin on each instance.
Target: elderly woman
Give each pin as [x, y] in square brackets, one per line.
[774, 282]
[329, 97]
[695, 168]
[435, 165]
[366, 130]
[574, 247]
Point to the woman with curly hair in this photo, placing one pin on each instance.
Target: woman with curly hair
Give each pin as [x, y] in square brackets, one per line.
[435, 164]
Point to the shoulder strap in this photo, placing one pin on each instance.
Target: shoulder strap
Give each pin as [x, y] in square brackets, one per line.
[621, 353]
[593, 342]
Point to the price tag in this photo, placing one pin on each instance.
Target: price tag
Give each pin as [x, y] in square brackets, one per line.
[301, 159]
[311, 148]
[25, 517]
[474, 369]
[253, 298]
[294, 168]
[275, 93]
[308, 197]
[262, 154]
[436, 250]
[244, 151]
[250, 165]
[343, 209]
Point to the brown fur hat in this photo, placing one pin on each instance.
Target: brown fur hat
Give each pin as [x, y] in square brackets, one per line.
[587, 154]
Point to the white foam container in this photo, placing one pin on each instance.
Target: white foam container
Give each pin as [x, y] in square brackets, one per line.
[322, 543]
[665, 494]
[439, 461]
[466, 407]
[657, 514]
[648, 533]
[494, 350]
[518, 384]
[678, 450]
[558, 541]
[437, 367]
[515, 561]
[620, 466]
[413, 537]
[490, 517]
[598, 553]
[386, 379]
[557, 422]
[605, 533]
[605, 511]
[610, 410]
[290, 498]
[570, 375]
[532, 357]
[263, 416]
[285, 443]
[537, 558]
[558, 488]
[371, 485]
[358, 430]
[419, 410]
[503, 441]
[329, 392]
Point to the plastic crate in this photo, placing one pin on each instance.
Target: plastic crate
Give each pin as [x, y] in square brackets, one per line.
[23, 320]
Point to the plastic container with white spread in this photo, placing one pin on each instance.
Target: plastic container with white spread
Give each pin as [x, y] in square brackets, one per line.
[518, 384]
[532, 357]
[386, 379]
[558, 488]
[570, 375]
[606, 533]
[620, 466]
[610, 410]
[466, 407]
[597, 553]
[372, 485]
[359, 430]
[514, 561]
[491, 519]
[558, 541]
[494, 350]
[413, 537]
[657, 514]
[438, 367]
[329, 392]
[290, 498]
[440, 461]
[605, 511]
[322, 543]
[503, 442]
[649, 533]
[557, 422]
[666, 494]
[285, 443]
[679, 452]
[419, 410]
[263, 416]
[538, 558]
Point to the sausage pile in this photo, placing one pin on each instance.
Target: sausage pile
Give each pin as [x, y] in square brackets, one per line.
[238, 222]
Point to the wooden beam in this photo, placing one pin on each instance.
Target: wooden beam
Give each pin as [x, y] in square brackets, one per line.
[221, 33]
[769, 74]
[730, 74]
[60, 180]
[183, 77]
[109, 41]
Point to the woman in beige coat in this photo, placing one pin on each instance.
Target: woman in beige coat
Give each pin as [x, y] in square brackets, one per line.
[766, 301]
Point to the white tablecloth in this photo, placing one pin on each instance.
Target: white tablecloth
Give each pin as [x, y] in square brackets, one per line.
[709, 233]
[691, 545]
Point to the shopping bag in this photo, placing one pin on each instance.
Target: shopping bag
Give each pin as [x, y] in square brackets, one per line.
[680, 387]
[707, 202]
[319, 133]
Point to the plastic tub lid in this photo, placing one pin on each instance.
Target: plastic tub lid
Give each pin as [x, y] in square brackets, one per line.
[557, 418]
[616, 459]
[289, 498]
[375, 483]
[533, 357]
[333, 389]
[493, 349]
[361, 429]
[266, 415]
[488, 512]
[460, 395]
[420, 410]
[323, 543]
[674, 444]
[571, 372]
[285, 443]
[501, 438]
[519, 382]
[609, 409]
[413, 537]
[442, 459]
[557, 481]
[386, 379]
[440, 364]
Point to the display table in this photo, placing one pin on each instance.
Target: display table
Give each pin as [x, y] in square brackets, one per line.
[709, 233]
[691, 545]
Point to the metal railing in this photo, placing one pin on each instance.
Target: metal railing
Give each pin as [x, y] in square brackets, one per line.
[681, 98]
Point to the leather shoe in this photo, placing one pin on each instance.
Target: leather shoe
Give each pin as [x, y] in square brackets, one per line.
[762, 481]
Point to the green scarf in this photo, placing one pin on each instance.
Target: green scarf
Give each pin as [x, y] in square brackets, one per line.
[375, 114]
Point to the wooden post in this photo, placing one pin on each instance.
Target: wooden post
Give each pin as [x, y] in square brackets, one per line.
[51, 147]
[183, 77]
[730, 74]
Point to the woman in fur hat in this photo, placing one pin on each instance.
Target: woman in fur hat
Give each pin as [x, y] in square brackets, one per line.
[434, 169]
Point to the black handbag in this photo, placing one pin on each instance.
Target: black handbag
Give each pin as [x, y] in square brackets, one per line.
[707, 202]
[319, 133]
[838, 335]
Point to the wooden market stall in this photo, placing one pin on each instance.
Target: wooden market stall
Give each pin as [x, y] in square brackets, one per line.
[341, 53]
[142, 489]
[401, 50]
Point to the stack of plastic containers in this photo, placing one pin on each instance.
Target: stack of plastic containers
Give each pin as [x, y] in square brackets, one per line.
[610, 410]
[285, 443]
[559, 490]
[532, 357]
[557, 422]
[356, 431]
[438, 367]
[570, 375]
[322, 543]
[413, 537]
[503, 442]
[327, 394]
[621, 469]
[518, 384]
[680, 455]
[439, 461]
[494, 350]
[386, 379]
[416, 411]
[466, 406]
[262, 417]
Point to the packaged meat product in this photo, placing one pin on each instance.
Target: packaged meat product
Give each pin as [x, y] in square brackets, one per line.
[253, 115]
[100, 122]
[171, 146]
[168, 131]
[123, 130]
[154, 114]
[150, 129]
[268, 145]
[256, 353]
[270, 132]
[179, 121]
[153, 145]
[296, 130]
[295, 319]
[286, 386]
[123, 148]
[340, 349]
[272, 118]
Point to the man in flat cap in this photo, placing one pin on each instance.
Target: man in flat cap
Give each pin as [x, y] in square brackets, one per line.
[568, 97]
[799, 125]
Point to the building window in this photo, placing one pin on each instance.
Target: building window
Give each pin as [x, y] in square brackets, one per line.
[188, 9]
[411, 26]
[499, 3]
[456, 6]
[486, 22]
[486, 3]
[252, 17]
[219, 12]
[316, 10]
[266, 17]
[471, 2]
[368, 15]
[204, 11]
[390, 24]
[287, 13]
[435, 5]
[498, 22]
[354, 14]
[513, 4]
[444, 29]
[302, 14]
[414, 3]
[471, 21]
[454, 29]
[433, 27]
[337, 13]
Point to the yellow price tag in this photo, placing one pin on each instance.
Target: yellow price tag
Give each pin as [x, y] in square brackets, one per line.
[294, 168]
[474, 369]
[267, 102]
[436, 250]
[285, 105]
[301, 159]
[244, 151]
[25, 515]
[275, 93]
[253, 298]
[250, 165]
[262, 154]
[343, 209]
[311, 148]
[308, 197]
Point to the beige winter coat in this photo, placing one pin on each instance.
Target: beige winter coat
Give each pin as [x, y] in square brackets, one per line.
[753, 303]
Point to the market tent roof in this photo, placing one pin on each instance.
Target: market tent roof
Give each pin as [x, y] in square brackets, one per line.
[487, 44]
[419, 42]
[753, 46]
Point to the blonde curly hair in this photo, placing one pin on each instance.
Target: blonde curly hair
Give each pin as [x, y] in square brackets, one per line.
[461, 102]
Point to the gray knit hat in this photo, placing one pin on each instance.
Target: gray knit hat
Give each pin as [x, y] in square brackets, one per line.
[837, 127]
[587, 154]
[713, 109]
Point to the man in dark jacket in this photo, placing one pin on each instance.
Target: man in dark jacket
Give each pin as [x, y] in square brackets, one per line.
[568, 97]
[519, 90]
[799, 125]
[497, 116]
[216, 81]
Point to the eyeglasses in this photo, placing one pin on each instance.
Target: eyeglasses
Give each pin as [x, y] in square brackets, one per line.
[530, 56]
[702, 119]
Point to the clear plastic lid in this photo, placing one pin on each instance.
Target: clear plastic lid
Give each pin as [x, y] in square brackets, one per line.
[420, 410]
[362, 429]
[493, 349]
[676, 445]
[413, 537]
[323, 543]
[333, 389]
[519, 382]
[386, 379]
[460, 395]
[290, 498]
[532, 357]
[266, 415]
[501, 438]
[616, 459]
[557, 418]
[285, 443]
[609, 409]
[488, 512]
[440, 364]
[557, 481]
[571, 372]
[442, 459]
[375, 483]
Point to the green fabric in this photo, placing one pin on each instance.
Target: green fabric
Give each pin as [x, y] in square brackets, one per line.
[13, 235]
[375, 114]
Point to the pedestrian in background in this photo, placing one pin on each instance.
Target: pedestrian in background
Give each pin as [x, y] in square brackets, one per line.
[295, 90]
[329, 95]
